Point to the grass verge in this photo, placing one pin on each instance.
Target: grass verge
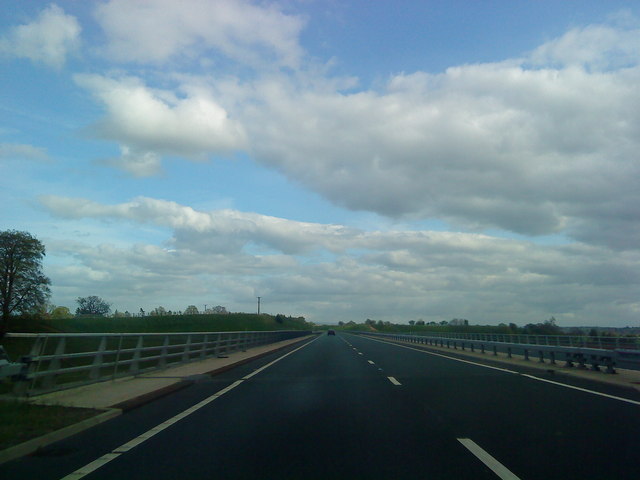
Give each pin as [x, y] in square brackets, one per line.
[21, 421]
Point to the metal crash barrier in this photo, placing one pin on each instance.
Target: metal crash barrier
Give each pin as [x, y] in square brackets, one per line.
[572, 351]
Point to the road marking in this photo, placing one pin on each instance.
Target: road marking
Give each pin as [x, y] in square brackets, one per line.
[496, 467]
[372, 363]
[359, 353]
[606, 395]
[532, 377]
[115, 453]
[394, 381]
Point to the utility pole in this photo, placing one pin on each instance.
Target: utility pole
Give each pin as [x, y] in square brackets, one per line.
[259, 305]
[205, 308]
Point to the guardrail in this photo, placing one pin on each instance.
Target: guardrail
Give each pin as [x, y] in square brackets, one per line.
[58, 361]
[579, 355]
[577, 341]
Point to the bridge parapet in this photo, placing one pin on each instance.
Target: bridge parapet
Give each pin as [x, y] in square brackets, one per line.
[58, 361]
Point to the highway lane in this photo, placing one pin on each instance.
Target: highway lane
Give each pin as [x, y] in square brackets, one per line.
[351, 407]
[542, 429]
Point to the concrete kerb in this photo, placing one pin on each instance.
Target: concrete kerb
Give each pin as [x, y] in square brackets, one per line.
[174, 383]
[623, 377]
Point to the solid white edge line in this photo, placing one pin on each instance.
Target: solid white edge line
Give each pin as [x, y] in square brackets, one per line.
[580, 389]
[496, 467]
[532, 377]
[116, 452]
[394, 381]
[372, 363]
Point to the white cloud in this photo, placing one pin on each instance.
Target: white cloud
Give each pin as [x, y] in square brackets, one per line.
[220, 230]
[22, 151]
[533, 151]
[598, 47]
[162, 30]
[147, 122]
[137, 164]
[377, 274]
[49, 39]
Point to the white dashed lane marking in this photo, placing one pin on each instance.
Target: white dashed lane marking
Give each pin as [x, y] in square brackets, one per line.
[496, 467]
[394, 381]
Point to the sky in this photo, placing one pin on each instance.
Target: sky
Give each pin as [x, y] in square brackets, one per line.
[342, 160]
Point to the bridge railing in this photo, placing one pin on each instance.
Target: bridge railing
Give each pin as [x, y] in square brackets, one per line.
[543, 347]
[58, 361]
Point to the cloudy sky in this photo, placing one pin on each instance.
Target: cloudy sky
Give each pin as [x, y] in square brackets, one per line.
[424, 159]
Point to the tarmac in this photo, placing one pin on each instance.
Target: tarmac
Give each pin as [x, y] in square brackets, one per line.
[113, 398]
[622, 378]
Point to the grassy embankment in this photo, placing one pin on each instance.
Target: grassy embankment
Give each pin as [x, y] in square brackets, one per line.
[21, 421]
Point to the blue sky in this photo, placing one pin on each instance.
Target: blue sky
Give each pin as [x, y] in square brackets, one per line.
[342, 160]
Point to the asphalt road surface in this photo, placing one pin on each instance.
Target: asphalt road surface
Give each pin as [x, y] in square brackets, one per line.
[349, 407]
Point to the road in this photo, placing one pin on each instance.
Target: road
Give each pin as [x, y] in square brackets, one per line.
[350, 407]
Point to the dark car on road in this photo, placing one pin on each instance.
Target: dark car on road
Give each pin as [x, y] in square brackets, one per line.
[331, 332]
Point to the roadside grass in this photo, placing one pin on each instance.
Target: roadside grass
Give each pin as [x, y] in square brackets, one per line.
[22, 421]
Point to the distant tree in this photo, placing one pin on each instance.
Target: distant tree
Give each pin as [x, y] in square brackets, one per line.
[191, 310]
[158, 311]
[141, 312]
[126, 313]
[412, 322]
[92, 305]
[340, 323]
[280, 318]
[420, 322]
[118, 314]
[23, 286]
[219, 309]
[61, 312]
[549, 327]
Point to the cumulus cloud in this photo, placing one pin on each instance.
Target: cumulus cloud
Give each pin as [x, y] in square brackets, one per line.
[392, 274]
[148, 122]
[49, 39]
[155, 32]
[529, 149]
[537, 145]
